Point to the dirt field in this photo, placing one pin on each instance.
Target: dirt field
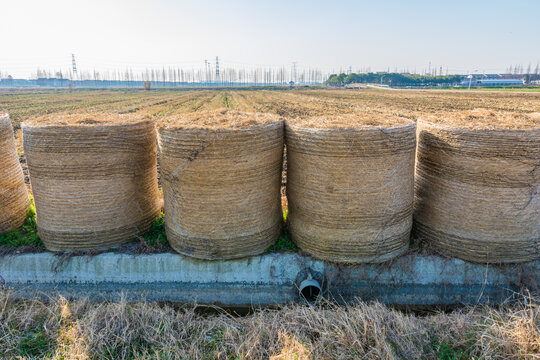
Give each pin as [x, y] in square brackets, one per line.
[24, 104]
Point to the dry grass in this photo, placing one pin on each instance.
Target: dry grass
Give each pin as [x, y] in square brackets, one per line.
[348, 121]
[61, 329]
[485, 119]
[217, 119]
[87, 120]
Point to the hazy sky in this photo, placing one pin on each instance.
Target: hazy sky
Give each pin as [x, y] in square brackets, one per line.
[461, 35]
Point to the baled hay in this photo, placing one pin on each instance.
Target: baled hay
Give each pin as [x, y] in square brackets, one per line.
[221, 184]
[477, 189]
[223, 119]
[14, 202]
[350, 187]
[349, 121]
[94, 178]
[485, 119]
[90, 120]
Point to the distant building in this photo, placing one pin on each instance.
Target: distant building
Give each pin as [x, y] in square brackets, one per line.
[490, 80]
[499, 82]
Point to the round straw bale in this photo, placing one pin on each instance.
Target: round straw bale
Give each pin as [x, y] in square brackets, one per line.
[477, 185]
[221, 182]
[350, 186]
[14, 202]
[94, 178]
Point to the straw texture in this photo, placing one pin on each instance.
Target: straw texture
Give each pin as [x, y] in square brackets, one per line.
[350, 186]
[14, 202]
[94, 178]
[477, 189]
[221, 183]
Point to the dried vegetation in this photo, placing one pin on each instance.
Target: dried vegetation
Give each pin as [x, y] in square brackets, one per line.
[62, 329]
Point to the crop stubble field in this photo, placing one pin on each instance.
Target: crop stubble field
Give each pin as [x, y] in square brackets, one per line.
[24, 104]
[64, 329]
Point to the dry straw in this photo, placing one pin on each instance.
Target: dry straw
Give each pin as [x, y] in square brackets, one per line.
[477, 185]
[94, 178]
[221, 182]
[14, 200]
[350, 186]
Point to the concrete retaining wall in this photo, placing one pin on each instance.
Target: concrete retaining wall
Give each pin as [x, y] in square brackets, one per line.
[263, 280]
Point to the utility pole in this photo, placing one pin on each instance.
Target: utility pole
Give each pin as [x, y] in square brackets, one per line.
[294, 72]
[217, 69]
[206, 70]
[74, 65]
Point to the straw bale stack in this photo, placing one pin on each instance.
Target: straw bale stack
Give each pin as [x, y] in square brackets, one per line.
[477, 185]
[94, 178]
[350, 186]
[221, 182]
[14, 202]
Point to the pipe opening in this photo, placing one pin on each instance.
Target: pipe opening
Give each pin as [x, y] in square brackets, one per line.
[309, 290]
[310, 293]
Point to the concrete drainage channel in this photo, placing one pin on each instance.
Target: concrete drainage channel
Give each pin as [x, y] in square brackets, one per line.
[268, 279]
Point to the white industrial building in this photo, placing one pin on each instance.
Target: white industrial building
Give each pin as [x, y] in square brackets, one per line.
[489, 80]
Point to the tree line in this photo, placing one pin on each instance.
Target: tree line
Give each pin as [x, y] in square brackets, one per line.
[177, 76]
[395, 79]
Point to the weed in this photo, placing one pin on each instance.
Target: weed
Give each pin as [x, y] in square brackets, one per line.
[35, 343]
[156, 236]
[27, 235]
[446, 352]
[283, 243]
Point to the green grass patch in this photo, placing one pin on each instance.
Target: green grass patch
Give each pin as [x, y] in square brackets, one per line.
[156, 236]
[35, 343]
[227, 101]
[284, 241]
[444, 351]
[27, 235]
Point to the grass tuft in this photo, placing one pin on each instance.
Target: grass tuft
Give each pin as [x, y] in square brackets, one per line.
[284, 241]
[36, 342]
[27, 235]
[156, 236]
[445, 351]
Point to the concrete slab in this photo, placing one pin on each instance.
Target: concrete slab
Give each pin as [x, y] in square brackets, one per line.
[263, 280]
